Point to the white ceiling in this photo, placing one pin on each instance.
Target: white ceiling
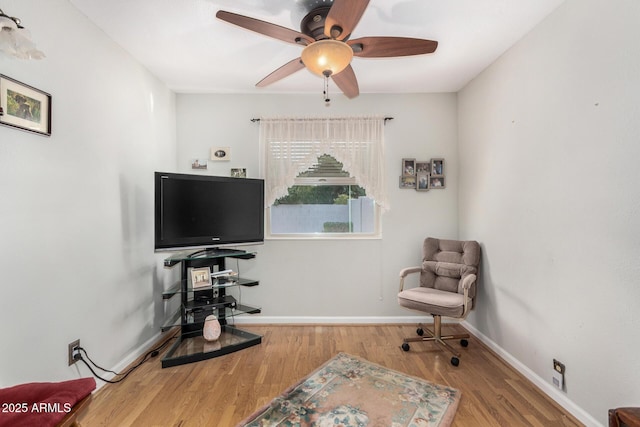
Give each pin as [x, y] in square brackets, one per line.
[187, 47]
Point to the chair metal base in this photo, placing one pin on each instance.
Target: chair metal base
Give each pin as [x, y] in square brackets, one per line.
[437, 336]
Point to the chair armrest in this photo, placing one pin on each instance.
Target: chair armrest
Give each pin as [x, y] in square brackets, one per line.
[405, 272]
[409, 270]
[465, 284]
[467, 281]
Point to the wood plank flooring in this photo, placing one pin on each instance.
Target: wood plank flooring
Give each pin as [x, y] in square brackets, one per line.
[223, 391]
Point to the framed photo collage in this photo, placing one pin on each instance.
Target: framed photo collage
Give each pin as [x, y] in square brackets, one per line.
[423, 175]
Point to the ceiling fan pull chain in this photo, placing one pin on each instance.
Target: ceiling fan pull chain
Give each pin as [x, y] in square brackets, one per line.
[327, 100]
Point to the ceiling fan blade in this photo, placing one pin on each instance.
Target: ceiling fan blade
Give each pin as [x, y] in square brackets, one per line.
[385, 47]
[343, 17]
[282, 72]
[347, 82]
[265, 28]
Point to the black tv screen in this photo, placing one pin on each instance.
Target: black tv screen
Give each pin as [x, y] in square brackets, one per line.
[204, 211]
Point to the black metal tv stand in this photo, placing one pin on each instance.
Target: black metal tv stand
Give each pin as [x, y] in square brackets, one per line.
[197, 304]
[216, 252]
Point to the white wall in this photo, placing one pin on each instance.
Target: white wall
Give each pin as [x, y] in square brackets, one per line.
[332, 279]
[549, 142]
[76, 215]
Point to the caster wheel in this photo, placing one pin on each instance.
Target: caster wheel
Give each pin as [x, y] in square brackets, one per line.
[464, 343]
[455, 361]
[419, 331]
[405, 346]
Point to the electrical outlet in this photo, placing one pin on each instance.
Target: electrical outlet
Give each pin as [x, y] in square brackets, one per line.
[558, 374]
[73, 347]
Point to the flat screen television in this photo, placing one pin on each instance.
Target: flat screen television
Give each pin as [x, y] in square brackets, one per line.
[204, 211]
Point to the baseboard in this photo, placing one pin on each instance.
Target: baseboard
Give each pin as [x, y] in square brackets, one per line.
[328, 320]
[543, 385]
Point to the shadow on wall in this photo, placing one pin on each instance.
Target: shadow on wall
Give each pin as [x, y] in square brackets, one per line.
[491, 298]
[485, 314]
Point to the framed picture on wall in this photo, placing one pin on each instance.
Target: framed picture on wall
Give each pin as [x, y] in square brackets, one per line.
[408, 167]
[238, 172]
[423, 166]
[24, 107]
[408, 181]
[221, 154]
[437, 166]
[422, 181]
[199, 164]
[436, 182]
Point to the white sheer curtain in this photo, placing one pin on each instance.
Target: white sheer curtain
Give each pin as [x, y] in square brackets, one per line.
[292, 145]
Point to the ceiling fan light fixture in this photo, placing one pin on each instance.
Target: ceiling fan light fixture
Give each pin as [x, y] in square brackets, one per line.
[327, 57]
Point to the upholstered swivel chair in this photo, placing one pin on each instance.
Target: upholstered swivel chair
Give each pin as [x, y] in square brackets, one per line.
[447, 287]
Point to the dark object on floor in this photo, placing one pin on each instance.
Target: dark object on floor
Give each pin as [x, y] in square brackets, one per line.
[624, 417]
[45, 404]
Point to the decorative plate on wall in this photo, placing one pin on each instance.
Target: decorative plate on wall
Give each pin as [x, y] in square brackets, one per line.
[220, 153]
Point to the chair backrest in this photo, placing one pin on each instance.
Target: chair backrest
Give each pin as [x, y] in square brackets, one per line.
[445, 263]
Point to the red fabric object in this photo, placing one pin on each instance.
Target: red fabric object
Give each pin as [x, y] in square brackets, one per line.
[41, 404]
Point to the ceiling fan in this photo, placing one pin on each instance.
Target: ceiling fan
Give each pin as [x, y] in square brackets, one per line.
[324, 34]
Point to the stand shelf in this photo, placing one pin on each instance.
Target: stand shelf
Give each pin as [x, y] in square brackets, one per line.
[197, 304]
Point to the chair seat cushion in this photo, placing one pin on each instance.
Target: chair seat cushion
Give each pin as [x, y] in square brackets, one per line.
[432, 301]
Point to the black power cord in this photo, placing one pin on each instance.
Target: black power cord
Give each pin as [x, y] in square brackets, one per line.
[149, 355]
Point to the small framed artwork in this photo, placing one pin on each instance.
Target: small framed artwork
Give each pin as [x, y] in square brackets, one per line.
[199, 164]
[408, 167]
[422, 181]
[423, 166]
[221, 154]
[408, 181]
[436, 182]
[437, 166]
[200, 278]
[24, 107]
[238, 172]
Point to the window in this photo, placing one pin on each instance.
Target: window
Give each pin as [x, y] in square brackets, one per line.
[323, 177]
[324, 202]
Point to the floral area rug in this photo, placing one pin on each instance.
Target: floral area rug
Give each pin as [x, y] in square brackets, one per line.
[348, 391]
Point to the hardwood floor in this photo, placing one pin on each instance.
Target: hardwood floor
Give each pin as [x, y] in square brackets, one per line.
[223, 391]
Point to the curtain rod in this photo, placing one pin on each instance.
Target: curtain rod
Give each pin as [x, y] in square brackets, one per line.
[385, 119]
